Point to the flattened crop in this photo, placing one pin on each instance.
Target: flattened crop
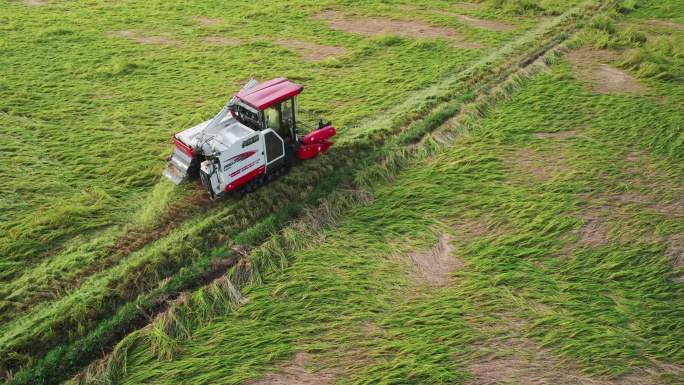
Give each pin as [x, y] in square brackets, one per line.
[206, 20]
[669, 24]
[35, 3]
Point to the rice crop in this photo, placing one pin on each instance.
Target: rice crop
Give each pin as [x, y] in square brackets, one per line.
[109, 270]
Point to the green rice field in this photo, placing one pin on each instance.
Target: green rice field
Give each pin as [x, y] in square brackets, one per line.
[504, 204]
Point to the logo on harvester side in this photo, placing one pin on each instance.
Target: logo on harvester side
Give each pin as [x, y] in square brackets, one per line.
[247, 167]
[249, 141]
[237, 159]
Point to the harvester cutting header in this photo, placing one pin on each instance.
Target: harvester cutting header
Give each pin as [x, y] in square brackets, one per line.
[253, 140]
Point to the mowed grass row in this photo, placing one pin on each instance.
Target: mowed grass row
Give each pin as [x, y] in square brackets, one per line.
[523, 199]
[87, 251]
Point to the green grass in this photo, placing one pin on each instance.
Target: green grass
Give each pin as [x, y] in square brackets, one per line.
[517, 206]
[606, 309]
[119, 92]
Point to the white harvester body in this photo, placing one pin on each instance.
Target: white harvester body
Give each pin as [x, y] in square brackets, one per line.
[240, 150]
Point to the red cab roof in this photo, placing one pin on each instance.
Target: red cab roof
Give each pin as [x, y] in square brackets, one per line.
[272, 91]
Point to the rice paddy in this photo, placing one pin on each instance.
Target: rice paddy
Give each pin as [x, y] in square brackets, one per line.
[478, 222]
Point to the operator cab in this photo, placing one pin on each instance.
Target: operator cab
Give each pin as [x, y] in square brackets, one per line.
[271, 105]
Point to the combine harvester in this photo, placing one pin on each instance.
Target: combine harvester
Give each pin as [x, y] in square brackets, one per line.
[252, 141]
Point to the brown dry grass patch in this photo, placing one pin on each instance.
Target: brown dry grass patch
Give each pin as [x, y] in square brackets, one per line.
[206, 20]
[669, 24]
[220, 40]
[435, 264]
[148, 39]
[312, 51]
[295, 373]
[35, 3]
[491, 25]
[513, 358]
[604, 79]
[542, 167]
[377, 26]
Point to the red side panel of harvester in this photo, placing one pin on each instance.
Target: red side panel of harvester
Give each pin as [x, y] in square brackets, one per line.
[311, 150]
[316, 142]
[319, 135]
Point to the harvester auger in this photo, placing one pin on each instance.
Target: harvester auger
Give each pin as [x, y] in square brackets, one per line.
[252, 141]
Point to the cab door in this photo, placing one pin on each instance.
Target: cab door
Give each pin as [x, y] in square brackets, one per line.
[274, 148]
